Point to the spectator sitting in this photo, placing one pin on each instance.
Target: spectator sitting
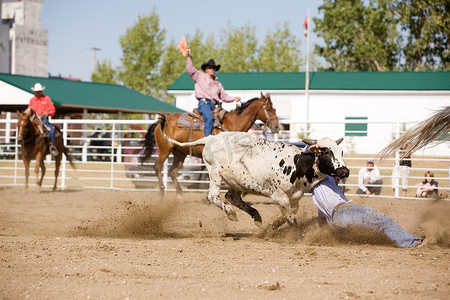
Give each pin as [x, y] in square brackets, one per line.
[369, 179]
[427, 188]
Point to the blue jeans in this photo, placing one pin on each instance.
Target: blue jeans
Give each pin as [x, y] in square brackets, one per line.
[205, 108]
[350, 216]
[50, 129]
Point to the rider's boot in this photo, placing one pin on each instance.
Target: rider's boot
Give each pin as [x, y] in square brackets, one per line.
[217, 124]
[53, 150]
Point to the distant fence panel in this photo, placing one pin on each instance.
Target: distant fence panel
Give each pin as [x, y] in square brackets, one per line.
[106, 154]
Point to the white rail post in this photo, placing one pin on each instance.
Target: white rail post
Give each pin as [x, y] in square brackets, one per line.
[8, 128]
[84, 150]
[397, 166]
[16, 155]
[119, 141]
[64, 159]
[113, 133]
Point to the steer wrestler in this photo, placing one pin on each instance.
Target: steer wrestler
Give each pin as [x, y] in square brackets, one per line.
[345, 217]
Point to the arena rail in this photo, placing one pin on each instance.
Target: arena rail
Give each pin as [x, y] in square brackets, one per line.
[106, 154]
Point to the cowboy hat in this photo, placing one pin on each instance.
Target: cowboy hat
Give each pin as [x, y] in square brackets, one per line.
[38, 87]
[210, 63]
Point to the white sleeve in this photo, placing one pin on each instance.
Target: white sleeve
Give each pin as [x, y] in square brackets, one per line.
[375, 175]
[361, 181]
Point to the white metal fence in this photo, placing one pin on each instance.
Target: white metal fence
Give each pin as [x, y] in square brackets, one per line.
[106, 153]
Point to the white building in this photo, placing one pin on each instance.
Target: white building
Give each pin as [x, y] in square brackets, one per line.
[381, 103]
[23, 43]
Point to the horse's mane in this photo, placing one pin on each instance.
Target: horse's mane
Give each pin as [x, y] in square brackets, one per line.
[245, 105]
[422, 134]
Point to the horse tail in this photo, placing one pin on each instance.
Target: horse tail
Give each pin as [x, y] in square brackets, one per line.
[149, 143]
[427, 131]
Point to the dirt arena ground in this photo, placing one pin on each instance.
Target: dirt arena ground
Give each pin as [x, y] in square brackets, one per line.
[132, 245]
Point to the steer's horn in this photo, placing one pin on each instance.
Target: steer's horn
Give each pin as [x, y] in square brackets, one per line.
[309, 141]
[339, 141]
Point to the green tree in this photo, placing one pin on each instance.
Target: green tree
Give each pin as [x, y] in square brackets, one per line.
[104, 73]
[425, 26]
[174, 64]
[238, 54]
[143, 47]
[280, 52]
[203, 50]
[359, 35]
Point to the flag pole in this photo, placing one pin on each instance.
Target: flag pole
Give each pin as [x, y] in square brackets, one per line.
[307, 67]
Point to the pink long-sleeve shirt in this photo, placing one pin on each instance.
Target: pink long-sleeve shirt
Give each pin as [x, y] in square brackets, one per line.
[205, 86]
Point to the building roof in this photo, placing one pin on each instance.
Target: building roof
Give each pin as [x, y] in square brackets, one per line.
[73, 96]
[395, 81]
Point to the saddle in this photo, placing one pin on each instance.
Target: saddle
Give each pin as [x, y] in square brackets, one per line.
[193, 120]
[44, 131]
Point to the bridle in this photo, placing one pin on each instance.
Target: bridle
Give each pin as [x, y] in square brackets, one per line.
[268, 119]
[24, 130]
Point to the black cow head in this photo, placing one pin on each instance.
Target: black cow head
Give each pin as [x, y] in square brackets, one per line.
[329, 155]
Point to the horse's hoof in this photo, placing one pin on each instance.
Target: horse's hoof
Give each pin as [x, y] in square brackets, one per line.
[180, 198]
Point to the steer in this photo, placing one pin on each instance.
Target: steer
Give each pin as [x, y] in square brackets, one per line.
[251, 165]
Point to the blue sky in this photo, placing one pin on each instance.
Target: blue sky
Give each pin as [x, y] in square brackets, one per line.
[76, 26]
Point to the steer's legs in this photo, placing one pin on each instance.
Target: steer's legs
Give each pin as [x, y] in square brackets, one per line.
[235, 198]
[214, 192]
[282, 200]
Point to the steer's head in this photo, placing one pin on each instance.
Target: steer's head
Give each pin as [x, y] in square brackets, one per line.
[329, 155]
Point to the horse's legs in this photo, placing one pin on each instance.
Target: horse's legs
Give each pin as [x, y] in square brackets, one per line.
[39, 163]
[57, 164]
[176, 165]
[43, 169]
[162, 156]
[26, 162]
[235, 198]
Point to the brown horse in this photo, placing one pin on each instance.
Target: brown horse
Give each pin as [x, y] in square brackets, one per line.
[239, 119]
[35, 146]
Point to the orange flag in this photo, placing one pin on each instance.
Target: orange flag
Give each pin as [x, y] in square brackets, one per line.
[182, 46]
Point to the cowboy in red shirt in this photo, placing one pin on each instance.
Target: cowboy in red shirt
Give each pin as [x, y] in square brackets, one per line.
[43, 107]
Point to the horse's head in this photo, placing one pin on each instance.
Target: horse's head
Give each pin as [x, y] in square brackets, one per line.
[268, 114]
[22, 125]
[24, 120]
